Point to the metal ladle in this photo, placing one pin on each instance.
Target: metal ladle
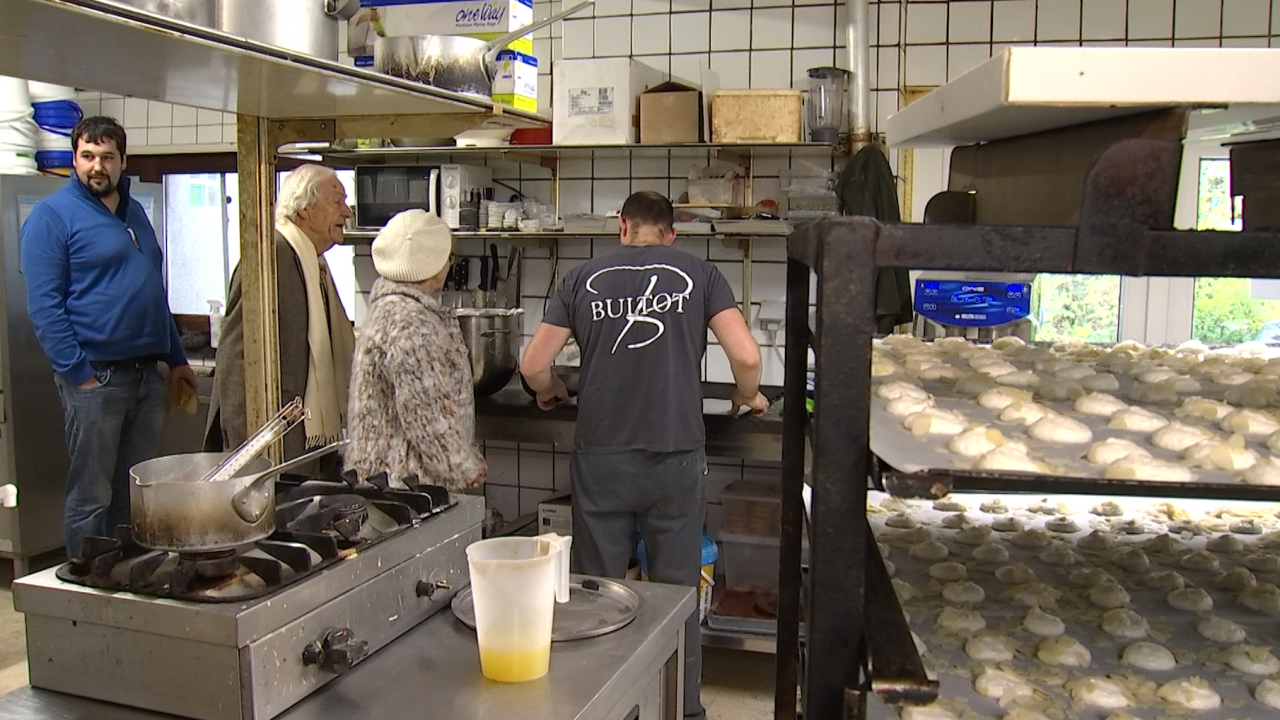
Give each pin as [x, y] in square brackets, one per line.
[252, 501]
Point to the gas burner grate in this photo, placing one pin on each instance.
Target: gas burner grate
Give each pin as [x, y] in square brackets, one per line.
[317, 523]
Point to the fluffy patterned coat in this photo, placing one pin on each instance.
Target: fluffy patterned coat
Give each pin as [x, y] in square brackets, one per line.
[412, 410]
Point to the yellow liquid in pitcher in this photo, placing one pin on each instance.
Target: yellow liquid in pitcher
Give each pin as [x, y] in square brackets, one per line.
[514, 666]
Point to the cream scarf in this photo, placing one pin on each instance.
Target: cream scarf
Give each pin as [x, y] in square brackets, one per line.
[330, 344]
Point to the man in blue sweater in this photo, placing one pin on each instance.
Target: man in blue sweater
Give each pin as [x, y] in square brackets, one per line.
[97, 301]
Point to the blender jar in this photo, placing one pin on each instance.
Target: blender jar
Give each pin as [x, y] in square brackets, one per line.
[828, 90]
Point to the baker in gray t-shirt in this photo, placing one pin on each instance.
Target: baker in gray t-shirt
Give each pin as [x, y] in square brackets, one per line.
[640, 315]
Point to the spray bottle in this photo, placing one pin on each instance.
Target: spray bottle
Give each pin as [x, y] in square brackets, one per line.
[215, 323]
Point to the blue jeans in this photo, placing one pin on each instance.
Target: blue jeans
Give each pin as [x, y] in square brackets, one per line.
[109, 429]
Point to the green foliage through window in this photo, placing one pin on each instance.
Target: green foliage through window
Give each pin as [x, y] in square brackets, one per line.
[1224, 310]
[1079, 307]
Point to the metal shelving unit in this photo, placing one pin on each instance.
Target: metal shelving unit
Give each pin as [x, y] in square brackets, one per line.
[279, 97]
[1127, 197]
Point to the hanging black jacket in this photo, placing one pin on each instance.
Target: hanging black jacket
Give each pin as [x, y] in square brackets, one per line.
[867, 187]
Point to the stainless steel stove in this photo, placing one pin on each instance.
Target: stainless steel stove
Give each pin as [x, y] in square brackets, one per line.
[246, 635]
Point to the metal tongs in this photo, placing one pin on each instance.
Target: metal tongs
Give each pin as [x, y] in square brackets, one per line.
[277, 427]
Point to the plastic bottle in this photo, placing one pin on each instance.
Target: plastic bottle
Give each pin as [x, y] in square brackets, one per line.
[215, 323]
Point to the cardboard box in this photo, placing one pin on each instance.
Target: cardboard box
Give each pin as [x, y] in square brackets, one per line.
[516, 82]
[484, 19]
[556, 516]
[671, 113]
[597, 102]
[757, 116]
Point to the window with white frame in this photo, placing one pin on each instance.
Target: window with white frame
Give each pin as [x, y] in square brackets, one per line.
[202, 233]
[1229, 310]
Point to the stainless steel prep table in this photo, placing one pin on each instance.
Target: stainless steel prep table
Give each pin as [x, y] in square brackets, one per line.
[510, 415]
[435, 669]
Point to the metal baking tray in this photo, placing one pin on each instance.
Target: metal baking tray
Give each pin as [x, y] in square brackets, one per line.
[590, 612]
[945, 656]
[922, 467]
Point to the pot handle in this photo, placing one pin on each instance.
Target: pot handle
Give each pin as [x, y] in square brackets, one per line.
[496, 45]
[341, 9]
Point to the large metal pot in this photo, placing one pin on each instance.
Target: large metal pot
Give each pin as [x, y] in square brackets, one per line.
[173, 512]
[451, 62]
[492, 336]
[309, 27]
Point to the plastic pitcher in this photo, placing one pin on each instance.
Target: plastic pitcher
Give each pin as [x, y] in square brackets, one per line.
[515, 583]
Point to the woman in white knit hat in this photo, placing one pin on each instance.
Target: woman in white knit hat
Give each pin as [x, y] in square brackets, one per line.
[412, 411]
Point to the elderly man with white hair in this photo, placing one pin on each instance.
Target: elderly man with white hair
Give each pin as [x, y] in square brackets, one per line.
[316, 339]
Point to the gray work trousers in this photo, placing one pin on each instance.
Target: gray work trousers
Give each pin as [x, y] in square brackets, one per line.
[667, 494]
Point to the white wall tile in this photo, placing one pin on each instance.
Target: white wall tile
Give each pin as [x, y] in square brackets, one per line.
[1103, 19]
[1058, 20]
[733, 275]
[579, 38]
[607, 8]
[530, 498]
[803, 60]
[135, 113]
[661, 63]
[159, 114]
[613, 37]
[611, 167]
[963, 58]
[159, 136]
[1150, 19]
[1245, 17]
[537, 470]
[690, 33]
[969, 22]
[185, 135]
[729, 4]
[1197, 19]
[1013, 20]
[209, 134]
[647, 7]
[733, 67]
[542, 51]
[650, 167]
[575, 249]
[544, 95]
[228, 133]
[575, 168]
[208, 117]
[504, 466]
[688, 68]
[90, 106]
[575, 197]
[1245, 42]
[771, 28]
[886, 104]
[1167, 42]
[926, 64]
[1198, 42]
[730, 30]
[768, 282]
[718, 369]
[887, 66]
[608, 195]
[889, 21]
[113, 108]
[926, 23]
[1275, 21]
[814, 27]
[771, 69]
[502, 499]
[184, 115]
[651, 34]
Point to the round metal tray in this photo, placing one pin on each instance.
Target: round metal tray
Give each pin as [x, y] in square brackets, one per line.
[589, 612]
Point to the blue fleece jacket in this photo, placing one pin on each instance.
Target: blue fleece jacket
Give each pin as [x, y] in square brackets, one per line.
[95, 282]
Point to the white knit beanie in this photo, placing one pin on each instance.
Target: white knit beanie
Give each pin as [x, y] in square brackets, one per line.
[414, 246]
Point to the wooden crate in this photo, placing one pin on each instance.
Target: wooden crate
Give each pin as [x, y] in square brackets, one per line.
[757, 116]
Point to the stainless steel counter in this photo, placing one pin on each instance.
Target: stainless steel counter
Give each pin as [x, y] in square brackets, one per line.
[434, 671]
[510, 415]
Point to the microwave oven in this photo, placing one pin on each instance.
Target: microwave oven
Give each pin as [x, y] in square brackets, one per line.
[384, 190]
